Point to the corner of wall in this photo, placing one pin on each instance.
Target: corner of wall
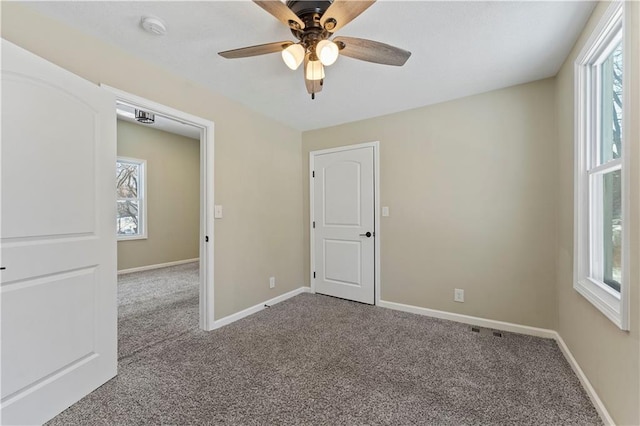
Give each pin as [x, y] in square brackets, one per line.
[605, 358]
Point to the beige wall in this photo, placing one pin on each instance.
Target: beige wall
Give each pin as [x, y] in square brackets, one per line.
[172, 196]
[257, 160]
[609, 357]
[471, 189]
[480, 191]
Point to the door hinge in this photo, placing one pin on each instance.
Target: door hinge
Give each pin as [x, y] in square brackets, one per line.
[206, 238]
[314, 274]
[314, 224]
[313, 173]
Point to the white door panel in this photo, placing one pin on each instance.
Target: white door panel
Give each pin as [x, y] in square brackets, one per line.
[343, 214]
[342, 194]
[38, 304]
[336, 254]
[40, 149]
[57, 238]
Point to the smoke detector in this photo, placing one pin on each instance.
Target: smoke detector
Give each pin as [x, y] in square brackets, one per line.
[153, 25]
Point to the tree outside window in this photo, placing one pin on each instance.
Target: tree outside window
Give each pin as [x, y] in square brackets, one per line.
[601, 177]
[130, 200]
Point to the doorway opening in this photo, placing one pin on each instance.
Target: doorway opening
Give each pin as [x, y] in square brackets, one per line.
[165, 218]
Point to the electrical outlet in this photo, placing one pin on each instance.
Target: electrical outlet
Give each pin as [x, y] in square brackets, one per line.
[272, 282]
[458, 295]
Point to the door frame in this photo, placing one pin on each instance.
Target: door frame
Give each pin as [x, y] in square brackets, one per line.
[206, 299]
[376, 209]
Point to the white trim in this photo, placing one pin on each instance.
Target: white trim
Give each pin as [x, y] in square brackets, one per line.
[614, 306]
[206, 127]
[157, 266]
[629, 94]
[257, 308]
[602, 297]
[467, 319]
[376, 219]
[376, 211]
[312, 263]
[609, 166]
[513, 328]
[586, 384]
[600, 34]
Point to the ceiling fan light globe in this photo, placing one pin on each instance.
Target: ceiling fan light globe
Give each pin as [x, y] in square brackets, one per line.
[315, 71]
[293, 56]
[327, 52]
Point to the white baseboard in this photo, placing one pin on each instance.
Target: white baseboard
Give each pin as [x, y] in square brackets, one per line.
[157, 266]
[514, 328]
[466, 319]
[586, 384]
[257, 308]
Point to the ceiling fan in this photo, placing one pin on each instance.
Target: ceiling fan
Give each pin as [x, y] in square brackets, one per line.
[313, 23]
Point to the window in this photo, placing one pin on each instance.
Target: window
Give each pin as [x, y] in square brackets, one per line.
[601, 175]
[130, 178]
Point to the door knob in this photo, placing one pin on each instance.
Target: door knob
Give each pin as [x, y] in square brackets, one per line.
[368, 234]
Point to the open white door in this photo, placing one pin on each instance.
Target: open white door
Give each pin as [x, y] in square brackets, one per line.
[58, 244]
[343, 223]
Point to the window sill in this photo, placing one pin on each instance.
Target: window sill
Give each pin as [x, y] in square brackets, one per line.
[132, 237]
[604, 299]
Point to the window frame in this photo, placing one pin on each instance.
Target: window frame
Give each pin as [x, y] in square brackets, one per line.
[609, 32]
[142, 199]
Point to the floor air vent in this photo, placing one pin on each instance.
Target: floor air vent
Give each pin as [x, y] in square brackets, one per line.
[486, 331]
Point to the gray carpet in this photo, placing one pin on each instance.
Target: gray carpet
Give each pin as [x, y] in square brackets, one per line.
[156, 305]
[324, 361]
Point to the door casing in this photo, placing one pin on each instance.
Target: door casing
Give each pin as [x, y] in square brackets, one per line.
[376, 208]
[206, 194]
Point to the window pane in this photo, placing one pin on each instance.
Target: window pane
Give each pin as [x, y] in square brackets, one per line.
[127, 180]
[128, 222]
[611, 108]
[612, 229]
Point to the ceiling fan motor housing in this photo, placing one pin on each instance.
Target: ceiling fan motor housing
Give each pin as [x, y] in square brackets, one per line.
[310, 13]
[305, 7]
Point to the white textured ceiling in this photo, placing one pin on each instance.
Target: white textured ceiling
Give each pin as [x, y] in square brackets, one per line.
[459, 48]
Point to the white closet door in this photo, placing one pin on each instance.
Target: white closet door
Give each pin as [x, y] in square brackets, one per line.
[344, 247]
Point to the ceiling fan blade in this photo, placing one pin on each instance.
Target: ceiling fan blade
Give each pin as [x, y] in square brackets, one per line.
[260, 49]
[341, 12]
[372, 51]
[281, 12]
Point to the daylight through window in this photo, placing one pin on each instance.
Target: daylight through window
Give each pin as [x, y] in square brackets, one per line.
[600, 173]
[130, 175]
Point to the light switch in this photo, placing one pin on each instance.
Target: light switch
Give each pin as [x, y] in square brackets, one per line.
[385, 211]
[217, 211]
